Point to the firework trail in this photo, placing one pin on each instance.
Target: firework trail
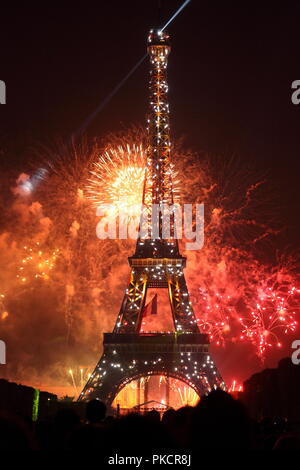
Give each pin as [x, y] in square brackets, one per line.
[77, 377]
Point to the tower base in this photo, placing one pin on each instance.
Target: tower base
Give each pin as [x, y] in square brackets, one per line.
[128, 357]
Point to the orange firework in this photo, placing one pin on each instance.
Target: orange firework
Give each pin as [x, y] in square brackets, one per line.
[117, 179]
[35, 264]
[78, 377]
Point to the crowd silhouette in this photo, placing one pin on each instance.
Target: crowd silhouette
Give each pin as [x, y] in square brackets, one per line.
[218, 421]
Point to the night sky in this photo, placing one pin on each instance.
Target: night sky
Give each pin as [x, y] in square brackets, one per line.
[230, 75]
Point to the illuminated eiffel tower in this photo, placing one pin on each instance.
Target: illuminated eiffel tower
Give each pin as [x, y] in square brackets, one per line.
[128, 353]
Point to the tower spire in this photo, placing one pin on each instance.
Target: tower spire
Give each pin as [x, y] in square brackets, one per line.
[158, 127]
[158, 191]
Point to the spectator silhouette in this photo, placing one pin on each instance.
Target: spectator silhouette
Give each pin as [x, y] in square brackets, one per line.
[95, 412]
[168, 418]
[153, 416]
[66, 422]
[179, 425]
[96, 433]
[140, 434]
[219, 422]
[14, 434]
[288, 442]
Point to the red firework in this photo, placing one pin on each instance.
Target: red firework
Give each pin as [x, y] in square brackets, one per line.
[274, 312]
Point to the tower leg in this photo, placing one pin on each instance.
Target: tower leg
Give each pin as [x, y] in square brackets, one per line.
[130, 357]
[182, 310]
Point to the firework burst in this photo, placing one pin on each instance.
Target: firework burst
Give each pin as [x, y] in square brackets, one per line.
[35, 263]
[217, 315]
[274, 311]
[117, 179]
[248, 301]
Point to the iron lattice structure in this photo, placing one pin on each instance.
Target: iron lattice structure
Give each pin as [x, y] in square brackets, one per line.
[129, 354]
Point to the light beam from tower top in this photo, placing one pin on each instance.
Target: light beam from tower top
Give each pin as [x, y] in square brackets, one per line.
[175, 14]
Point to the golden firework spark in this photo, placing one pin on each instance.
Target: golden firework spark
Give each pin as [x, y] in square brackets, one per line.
[35, 263]
[117, 178]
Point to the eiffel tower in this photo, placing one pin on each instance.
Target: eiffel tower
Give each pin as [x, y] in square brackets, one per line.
[128, 353]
